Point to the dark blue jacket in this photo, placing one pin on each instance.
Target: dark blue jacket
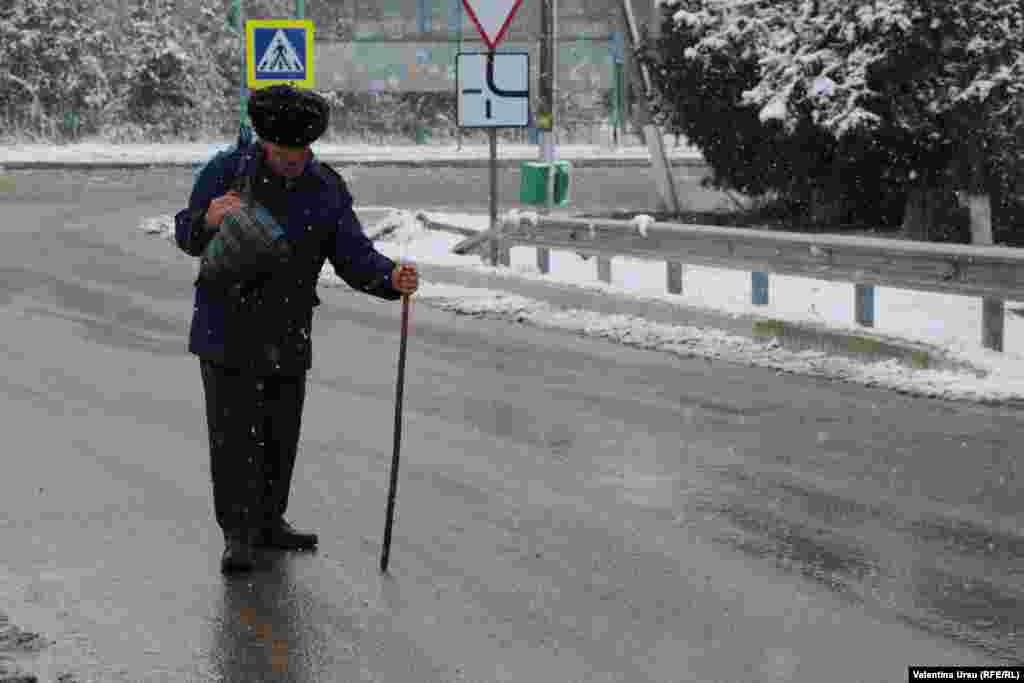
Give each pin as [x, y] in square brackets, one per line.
[264, 328]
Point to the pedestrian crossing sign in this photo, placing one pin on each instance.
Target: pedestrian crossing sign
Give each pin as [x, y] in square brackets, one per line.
[279, 51]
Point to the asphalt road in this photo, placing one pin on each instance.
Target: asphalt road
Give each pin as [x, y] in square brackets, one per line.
[569, 510]
[469, 188]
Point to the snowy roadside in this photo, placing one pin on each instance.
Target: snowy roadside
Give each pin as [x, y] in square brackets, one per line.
[192, 153]
[403, 236]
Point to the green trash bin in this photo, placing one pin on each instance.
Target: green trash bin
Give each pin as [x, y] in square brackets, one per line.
[72, 124]
[533, 182]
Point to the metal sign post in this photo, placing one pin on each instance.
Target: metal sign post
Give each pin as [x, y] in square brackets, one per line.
[455, 22]
[546, 97]
[500, 93]
[493, 139]
[493, 92]
[617, 47]
[550, 148]
[237, 22]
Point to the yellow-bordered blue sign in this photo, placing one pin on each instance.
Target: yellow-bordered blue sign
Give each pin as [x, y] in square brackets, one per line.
[279, 51]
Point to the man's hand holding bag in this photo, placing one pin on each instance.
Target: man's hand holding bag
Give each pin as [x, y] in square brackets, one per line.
[221, 206]
[249, 243]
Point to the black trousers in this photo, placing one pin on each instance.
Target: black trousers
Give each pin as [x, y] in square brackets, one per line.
[254, 425]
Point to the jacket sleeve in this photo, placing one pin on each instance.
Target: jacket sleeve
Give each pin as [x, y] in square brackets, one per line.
[191, 232]
[354, 257]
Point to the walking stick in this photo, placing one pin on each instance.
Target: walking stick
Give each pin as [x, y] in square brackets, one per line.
[398, 434]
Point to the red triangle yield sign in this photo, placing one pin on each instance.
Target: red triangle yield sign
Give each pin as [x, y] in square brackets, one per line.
[492, 18]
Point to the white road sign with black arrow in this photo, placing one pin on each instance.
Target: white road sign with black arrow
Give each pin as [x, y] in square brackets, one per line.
[493, 92]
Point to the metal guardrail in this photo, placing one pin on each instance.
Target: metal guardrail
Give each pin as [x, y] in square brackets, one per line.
[952, 269]
[992, 273]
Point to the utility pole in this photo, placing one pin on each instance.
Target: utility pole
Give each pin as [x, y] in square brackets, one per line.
[455, 22]
[547, 106]
[545, 119]
[236, 16]
[617, 50]
[652, 134]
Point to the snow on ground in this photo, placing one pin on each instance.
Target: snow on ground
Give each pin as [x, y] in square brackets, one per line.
[687, 341]
[185, 153]
[948, 321]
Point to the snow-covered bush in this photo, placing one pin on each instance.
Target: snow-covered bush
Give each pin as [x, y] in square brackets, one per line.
[845, 100]
[53, 62]
[173, 82]
[70, 63]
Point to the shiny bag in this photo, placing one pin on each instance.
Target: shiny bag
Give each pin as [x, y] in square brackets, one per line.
[249, 245]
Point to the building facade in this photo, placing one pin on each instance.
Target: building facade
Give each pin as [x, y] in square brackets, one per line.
[410, 45]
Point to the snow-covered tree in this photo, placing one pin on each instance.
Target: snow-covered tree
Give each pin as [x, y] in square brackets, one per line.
[165, 74]
[52, 62]
[926, 92]
[173, 76]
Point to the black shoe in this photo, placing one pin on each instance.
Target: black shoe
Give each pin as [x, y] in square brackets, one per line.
[237, 557]
[284, 537]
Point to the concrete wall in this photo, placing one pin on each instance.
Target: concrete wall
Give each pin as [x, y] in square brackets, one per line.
[424, 66]
[410, 45]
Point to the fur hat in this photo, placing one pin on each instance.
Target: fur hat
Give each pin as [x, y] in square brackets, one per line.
[287, 116]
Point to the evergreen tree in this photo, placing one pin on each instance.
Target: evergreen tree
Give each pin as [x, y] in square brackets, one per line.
[911, 97]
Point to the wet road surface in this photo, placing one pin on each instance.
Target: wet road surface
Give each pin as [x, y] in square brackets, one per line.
[568, 510]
